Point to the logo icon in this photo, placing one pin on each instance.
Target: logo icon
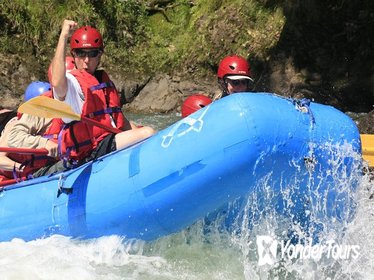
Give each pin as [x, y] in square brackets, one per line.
[266, 249]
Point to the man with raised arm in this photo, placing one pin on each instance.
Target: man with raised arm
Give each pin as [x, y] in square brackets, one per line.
[91, 93]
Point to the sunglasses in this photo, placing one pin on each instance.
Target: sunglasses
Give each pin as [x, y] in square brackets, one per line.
[238, 82]
[82, 53]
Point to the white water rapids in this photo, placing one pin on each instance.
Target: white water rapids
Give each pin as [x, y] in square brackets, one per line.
[193, 253]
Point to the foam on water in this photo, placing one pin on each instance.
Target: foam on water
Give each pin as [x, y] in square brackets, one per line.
[207, 250]
[191, 254]
[59, 257]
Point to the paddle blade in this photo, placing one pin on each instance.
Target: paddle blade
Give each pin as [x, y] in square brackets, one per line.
[45, 107]
[367, 142]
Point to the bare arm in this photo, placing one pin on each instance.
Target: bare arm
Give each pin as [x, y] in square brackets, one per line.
[59, 81]
[7, 164]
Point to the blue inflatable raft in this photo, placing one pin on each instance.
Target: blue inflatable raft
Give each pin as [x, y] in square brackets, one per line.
[197, 167]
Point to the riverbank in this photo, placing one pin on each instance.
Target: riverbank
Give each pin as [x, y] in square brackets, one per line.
[159, 52]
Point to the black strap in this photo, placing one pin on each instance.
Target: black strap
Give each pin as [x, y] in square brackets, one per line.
[76, 143]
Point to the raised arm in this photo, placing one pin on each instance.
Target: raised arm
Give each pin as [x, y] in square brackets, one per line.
[59, 81]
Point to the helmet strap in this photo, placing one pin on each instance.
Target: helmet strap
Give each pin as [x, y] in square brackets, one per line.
[223, 87]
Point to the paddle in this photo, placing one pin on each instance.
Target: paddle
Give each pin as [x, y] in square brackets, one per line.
[24, 151]
[46, 107]
[367, 143]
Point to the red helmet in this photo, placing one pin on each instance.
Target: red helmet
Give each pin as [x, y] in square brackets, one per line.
[86, 37]
[234, 65]
[194, 103]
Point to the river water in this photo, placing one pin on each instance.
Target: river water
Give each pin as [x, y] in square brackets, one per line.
[190, 254]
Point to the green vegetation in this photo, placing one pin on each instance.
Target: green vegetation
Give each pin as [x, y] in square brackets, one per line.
[192, 39]
[33, 26]
[145, 37]
[323, 48]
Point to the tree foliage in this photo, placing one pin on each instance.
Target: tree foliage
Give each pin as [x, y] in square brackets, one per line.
[144, 36]
[329, 39]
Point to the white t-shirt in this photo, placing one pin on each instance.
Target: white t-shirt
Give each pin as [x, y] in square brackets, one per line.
[74, 96]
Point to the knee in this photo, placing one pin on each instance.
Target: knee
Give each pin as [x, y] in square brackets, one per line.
[147, 131]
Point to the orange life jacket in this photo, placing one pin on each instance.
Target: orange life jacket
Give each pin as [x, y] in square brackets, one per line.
[101, 103]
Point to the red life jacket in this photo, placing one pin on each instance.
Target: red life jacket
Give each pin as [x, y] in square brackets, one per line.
[101, 103]
[30, 164]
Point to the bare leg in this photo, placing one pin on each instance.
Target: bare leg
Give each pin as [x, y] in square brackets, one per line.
[129, 137]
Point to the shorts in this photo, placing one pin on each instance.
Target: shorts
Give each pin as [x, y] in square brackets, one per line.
[106, 146]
